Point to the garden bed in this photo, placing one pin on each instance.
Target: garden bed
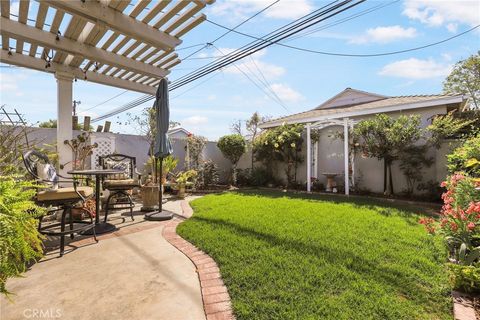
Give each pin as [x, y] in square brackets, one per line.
[294, 256]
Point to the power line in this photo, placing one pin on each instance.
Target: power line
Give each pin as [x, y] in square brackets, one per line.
[108, 100]
[231, 29]
[216, 39]
[277, 35]
[357, 55]
[270, 93]
[195, 86]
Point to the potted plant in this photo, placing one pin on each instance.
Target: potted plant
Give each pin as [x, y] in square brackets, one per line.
[150, 189]
[81, 149]
[183, 179]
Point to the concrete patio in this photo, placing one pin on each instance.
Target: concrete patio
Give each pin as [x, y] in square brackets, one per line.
[132, 273]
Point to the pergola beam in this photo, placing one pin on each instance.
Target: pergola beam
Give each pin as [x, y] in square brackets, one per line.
[38, 64]
[94, 11]
[46, 39]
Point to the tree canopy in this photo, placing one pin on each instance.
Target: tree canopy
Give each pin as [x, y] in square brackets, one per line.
[465, 79]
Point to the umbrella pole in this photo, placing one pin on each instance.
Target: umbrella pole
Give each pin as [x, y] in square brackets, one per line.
[160, 190]
[160, 214]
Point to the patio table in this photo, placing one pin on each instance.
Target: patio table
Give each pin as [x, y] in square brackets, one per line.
[100, 227]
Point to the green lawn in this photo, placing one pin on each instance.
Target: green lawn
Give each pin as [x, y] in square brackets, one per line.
[290, 257]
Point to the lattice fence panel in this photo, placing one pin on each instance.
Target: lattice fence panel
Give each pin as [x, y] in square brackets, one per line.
[106, 145]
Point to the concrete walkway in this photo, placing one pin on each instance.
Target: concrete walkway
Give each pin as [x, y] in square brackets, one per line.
[133, 273]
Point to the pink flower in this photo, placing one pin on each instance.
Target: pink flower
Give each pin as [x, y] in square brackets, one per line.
[443, 184]
[453, 226]
[471, 226]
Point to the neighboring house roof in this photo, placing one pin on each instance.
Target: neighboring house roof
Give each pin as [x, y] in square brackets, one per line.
[331, 109]
[178, 130]
[350, 96]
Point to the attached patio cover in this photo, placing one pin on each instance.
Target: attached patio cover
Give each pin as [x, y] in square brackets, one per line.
[120, 43]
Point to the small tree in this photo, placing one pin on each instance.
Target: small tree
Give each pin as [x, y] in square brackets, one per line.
[195, 145]
[385, 138]
[447, 126]
[282, 143]
[232, 147]
[253, 127]
[465, 79]
[236, 127]
[466, 158]
[412, 161]
[145, 126]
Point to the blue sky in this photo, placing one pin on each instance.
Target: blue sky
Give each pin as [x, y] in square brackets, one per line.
[301, 80]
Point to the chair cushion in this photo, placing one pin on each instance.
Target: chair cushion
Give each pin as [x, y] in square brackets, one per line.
[64, 194]
[124, 184]
[123, 166]
[47, 172]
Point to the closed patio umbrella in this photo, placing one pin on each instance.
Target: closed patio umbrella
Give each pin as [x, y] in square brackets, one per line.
[162, 146]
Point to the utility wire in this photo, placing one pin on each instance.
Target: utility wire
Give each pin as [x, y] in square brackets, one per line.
[270, 93]
[366, 55]
[277, 35]
[231, 30]
[108, 100]
[280, 34]
[141, 100]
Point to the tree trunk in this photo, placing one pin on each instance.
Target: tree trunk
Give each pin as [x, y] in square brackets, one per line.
[234, 174]
[390, 179]
[253, 155]
[384, 176]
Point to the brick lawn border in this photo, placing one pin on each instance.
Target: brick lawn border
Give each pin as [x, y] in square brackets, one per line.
[216, 300]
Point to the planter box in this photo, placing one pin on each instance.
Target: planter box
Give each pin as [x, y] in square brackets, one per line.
[149, 198]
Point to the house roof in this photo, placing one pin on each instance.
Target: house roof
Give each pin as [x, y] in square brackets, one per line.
[176, 130]
[350, 96]
[380, 105]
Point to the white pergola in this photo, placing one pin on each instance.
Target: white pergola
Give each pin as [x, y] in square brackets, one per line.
[346, 123]
[120, 43]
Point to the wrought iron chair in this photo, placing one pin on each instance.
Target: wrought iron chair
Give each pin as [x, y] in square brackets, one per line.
[120, 184]
[39, 167]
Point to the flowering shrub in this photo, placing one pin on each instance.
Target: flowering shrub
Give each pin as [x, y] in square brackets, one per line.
[282, 143]
[460, 218]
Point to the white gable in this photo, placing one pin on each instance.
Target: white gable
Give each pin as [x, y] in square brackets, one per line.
[350, 97]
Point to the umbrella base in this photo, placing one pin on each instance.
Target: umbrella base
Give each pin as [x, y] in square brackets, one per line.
[159, 215]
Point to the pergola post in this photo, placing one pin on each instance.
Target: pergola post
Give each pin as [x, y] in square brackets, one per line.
[309, 158]
[346, 154]
[64, 119]
[315, 166]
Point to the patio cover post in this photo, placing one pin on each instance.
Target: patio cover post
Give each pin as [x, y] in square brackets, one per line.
[345, 154]
[309, 158]
[64, 119]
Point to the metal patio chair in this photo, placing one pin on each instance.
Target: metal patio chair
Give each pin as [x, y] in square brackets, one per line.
[63, 198]
[119, 185]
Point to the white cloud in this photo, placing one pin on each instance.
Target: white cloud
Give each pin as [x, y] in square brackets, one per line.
[9, 82]
[385, 34]
[251, 65]
[452, 27]
[194, 121]
[242, 9]
[437, 13]
[416, 69]
[286, 94]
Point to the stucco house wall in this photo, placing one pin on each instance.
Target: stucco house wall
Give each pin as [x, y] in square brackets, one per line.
[368, 171]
